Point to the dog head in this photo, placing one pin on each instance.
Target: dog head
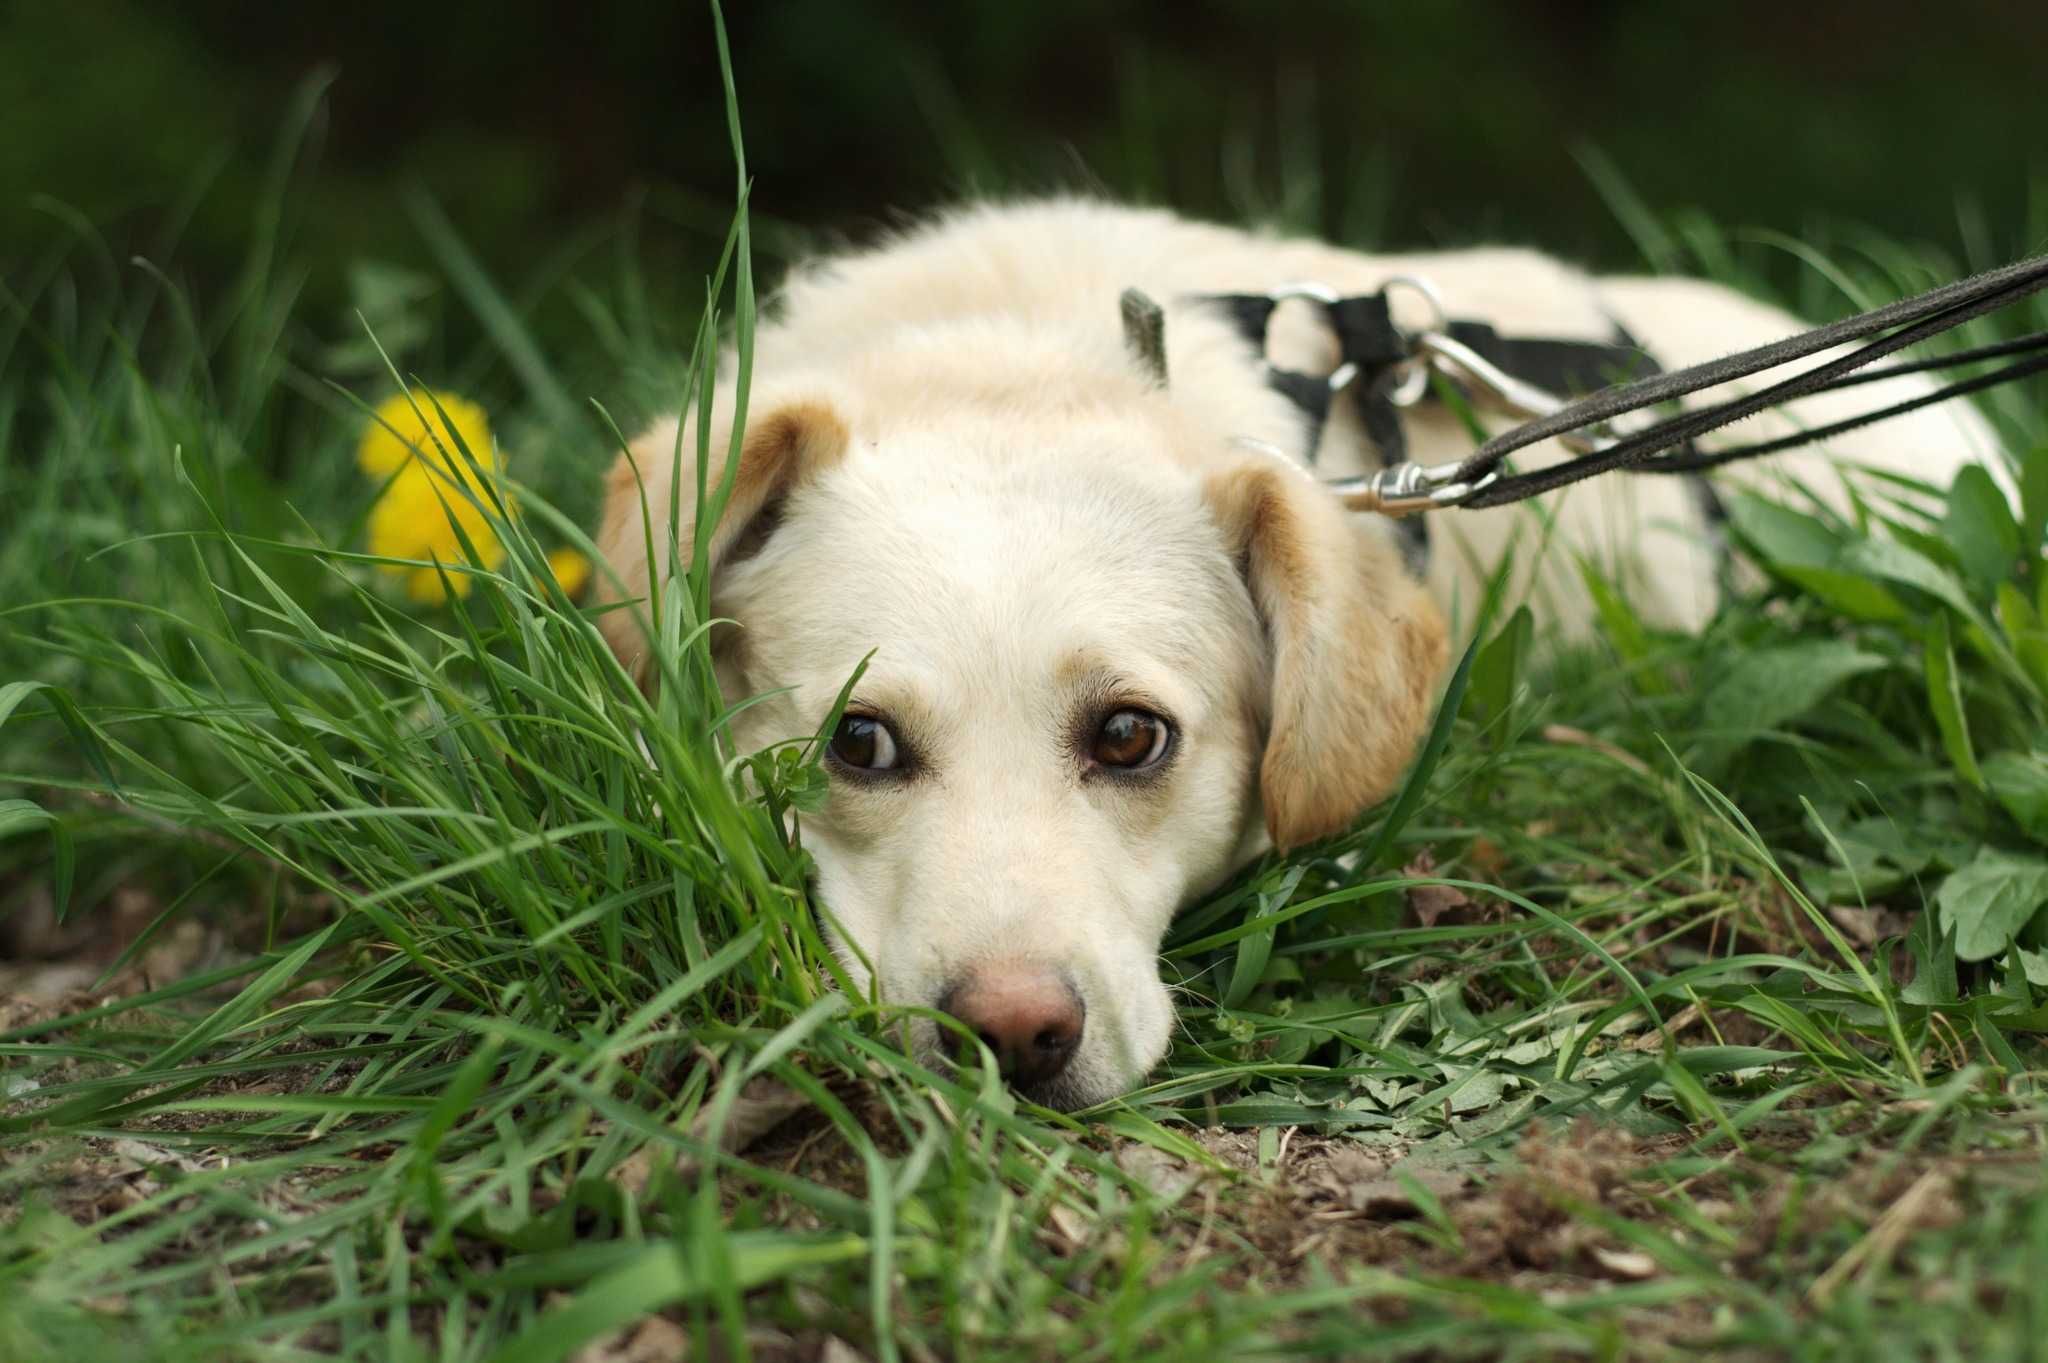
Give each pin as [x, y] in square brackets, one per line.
[1105, 668]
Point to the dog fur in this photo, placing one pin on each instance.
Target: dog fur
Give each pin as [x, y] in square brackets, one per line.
[952, 461]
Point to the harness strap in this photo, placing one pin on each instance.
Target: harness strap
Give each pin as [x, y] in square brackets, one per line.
[1560, 366]
[1375, 354]
[1373, 348]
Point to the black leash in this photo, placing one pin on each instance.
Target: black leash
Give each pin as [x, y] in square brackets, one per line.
[2037, 342]
[1390, 370]
[1916, 319]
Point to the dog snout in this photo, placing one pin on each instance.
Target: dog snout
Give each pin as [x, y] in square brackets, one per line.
[1029, 1016]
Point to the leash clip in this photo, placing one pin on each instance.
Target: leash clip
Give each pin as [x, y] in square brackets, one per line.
[1405, 489]
[1501, 390]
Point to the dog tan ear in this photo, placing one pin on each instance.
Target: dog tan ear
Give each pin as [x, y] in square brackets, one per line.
[787, 444]
[1357, 649]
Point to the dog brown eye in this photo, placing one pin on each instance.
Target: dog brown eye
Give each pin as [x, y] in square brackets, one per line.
[1131, 739]
[864, 743]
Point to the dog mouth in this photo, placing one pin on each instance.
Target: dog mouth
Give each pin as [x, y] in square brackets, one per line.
[1062, 1094]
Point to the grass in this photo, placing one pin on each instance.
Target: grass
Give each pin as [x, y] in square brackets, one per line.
[1688, 1000]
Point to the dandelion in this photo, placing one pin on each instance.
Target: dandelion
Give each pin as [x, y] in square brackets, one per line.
[571, 571]
[417, 515]
[422, 504]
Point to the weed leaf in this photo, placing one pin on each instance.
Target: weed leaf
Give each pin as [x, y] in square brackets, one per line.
[1945, 695]
[2020, 782]
[1768, 686]
[1987, 902]
[1980, 529]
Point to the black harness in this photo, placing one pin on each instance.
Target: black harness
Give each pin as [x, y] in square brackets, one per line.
[1374, 355]
[1377, 362]
[1391, 369]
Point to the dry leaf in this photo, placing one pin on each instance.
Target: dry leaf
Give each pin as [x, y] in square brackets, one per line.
[1628, 1264]
[149, 1156]
[761, 1106]
[1168, 1178]
[1071, 1225]
[657, 1339]
[1433, 903]
[1866, 927]
[1430, 903]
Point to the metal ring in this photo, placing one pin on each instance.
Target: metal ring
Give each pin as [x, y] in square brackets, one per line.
[1429, 295]
[1412, 384]
[1304, 288]
[1326, 298]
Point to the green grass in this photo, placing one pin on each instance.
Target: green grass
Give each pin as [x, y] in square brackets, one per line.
[1689, 1000]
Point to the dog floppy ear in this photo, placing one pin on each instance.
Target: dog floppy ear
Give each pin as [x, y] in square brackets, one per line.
[1357, 647]
[787, 443]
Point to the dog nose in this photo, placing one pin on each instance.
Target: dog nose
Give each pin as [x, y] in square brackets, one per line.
[1028, 1015]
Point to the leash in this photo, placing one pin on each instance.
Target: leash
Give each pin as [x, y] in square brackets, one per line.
[1391, 371]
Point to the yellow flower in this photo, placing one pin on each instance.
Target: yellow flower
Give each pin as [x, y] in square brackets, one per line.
[397, 431]
[424, 502]
[571, 570]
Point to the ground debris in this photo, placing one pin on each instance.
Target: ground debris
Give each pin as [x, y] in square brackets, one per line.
[762, 1105]
[1329, 1205]
[1383, 1190]
[1526, 1219]
[1866, 926]
[1168, 1178]
[1630, 1265]
[1433, 905]
[656, 1339]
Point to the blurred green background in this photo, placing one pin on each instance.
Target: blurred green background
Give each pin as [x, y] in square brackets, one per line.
[557, 139]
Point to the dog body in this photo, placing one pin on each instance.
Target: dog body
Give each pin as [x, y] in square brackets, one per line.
[1116, 649]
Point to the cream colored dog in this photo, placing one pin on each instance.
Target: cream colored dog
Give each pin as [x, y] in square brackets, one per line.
[1115, 650]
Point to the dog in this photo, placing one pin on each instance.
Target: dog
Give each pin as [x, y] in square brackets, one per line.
[1118, 646]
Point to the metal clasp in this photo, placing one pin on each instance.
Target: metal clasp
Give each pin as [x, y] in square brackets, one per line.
[1406, 488]
[1501, 390]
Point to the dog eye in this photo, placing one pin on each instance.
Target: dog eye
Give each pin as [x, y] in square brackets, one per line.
[864, 743]
[1131, 740]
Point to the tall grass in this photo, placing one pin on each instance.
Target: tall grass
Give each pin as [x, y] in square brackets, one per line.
[524, 964]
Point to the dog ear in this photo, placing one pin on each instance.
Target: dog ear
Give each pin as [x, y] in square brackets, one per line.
[787, 444]
[1357, 647]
